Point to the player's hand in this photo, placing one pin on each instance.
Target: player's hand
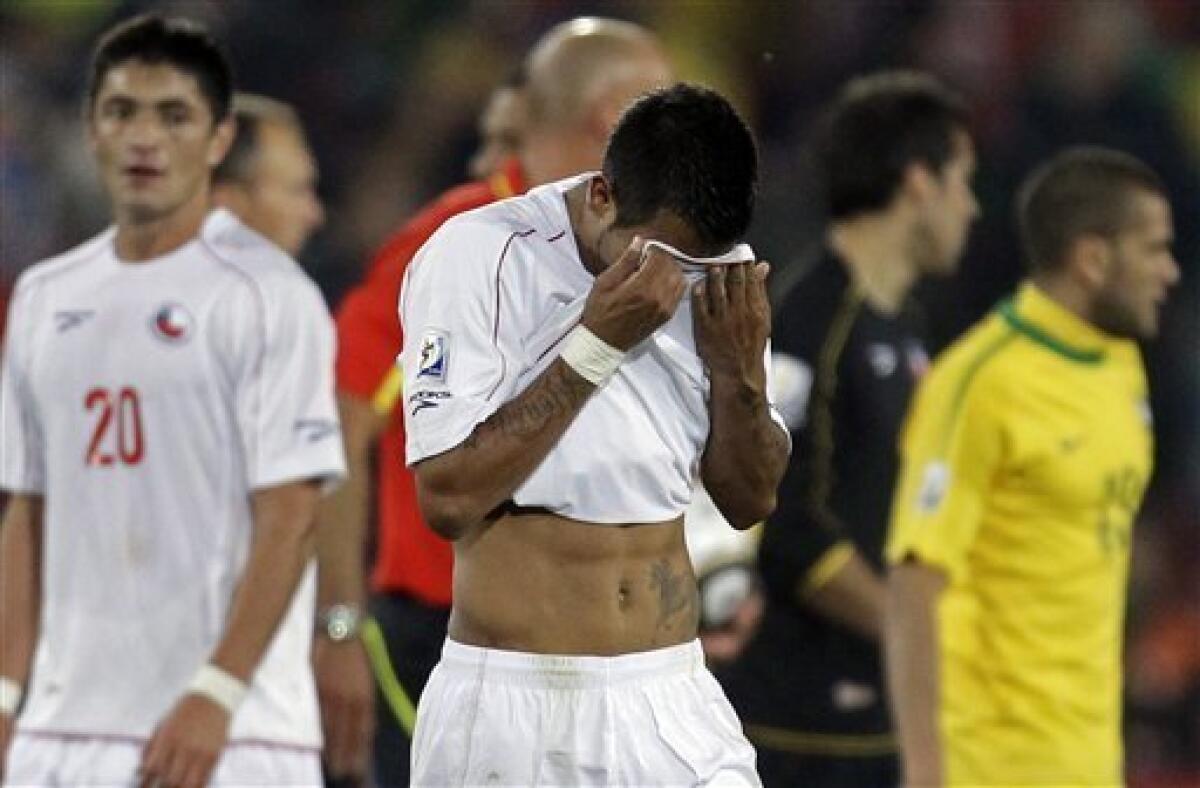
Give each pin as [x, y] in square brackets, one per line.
[723, 646]
[7, 726]
[628, 302]
[184, 749]
[732, 319]
[347, 693]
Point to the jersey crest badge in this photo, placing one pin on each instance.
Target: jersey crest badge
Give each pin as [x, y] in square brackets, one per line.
[172, 323]
[882, 358]
[435, 346]
[935, 481]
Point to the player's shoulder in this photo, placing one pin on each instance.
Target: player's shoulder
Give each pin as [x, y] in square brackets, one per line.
[815, 300]
[481, 235]
[72, 260]
[264, 275]
[247, 255]
[981, 362]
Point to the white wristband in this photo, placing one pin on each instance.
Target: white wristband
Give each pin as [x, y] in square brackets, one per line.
[218, 686]
[10, 696]
[589, 355]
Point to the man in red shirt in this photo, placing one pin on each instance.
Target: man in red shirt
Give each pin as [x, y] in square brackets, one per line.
[580, 77]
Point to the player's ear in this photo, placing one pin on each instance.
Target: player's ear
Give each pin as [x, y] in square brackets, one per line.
[221, 141]
[1091, 260]
[919, 184]
[600, 198]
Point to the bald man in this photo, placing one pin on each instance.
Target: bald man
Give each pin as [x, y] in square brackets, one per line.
[581, 76]
[269, 178]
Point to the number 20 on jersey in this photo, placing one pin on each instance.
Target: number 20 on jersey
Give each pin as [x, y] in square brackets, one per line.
[117, 436]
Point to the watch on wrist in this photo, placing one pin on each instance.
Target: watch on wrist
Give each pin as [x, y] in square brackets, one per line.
[339, 623]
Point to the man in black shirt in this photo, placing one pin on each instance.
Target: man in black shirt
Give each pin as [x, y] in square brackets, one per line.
[897, 162]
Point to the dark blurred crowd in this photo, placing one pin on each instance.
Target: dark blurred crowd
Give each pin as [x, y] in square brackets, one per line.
[390, 95]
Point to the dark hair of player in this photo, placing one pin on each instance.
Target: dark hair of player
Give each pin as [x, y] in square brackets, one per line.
[1081, 191]
[180, 43]
[684, 149]
[878, 126]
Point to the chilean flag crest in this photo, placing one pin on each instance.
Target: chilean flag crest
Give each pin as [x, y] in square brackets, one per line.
[172, 323]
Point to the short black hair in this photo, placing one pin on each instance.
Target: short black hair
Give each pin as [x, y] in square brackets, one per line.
[1081, 191]
[877, 127]
[684, 149]
[181, 43]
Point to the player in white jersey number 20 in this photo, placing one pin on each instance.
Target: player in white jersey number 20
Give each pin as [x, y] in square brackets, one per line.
[168, 421]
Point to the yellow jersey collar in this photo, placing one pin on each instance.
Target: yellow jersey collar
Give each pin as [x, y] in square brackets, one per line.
[1045, 321]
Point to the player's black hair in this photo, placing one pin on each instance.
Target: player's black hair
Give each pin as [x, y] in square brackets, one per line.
[181, 43]
[684, 149]
[1081, 191]
[878, 126]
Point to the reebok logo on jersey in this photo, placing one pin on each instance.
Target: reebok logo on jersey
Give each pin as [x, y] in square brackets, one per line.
[313, 430]
[172, 323]
[67, 319]
[420, 400]
[1147, 415]
[435, 346]
[934, 482]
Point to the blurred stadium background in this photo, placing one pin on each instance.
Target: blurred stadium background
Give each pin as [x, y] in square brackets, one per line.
[389, 91]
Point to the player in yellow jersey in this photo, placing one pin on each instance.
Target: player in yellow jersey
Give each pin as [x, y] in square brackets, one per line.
[1025, 456]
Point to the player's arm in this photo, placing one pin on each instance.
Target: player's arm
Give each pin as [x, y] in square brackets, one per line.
[914, 669]
[747, 450]
[20, 602]
[951, 450]
[345, 686]
[853, 595]
[807, 558]
[457, 488]
[185, 748]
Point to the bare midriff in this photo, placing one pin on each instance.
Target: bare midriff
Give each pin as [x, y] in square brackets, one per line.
[543, 584]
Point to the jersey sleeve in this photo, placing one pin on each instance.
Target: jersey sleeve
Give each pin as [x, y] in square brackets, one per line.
[462, 350]
[284, 390]
[951, 450]
[22, 459]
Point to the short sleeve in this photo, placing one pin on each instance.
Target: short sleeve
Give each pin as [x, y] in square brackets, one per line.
[951, 449]
[286, 410]
[22, 459]
[462, 348]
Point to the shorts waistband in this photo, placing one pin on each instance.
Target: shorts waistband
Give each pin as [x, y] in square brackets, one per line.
[552, 671]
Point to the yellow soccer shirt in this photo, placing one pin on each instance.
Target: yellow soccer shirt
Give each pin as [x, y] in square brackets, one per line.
[1025, 456]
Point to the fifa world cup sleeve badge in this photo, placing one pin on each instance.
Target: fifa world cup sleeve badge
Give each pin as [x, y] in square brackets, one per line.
[434, 360]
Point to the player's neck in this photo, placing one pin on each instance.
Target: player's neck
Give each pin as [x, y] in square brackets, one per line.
[1067, 294]
[873, 250]
[141, 240]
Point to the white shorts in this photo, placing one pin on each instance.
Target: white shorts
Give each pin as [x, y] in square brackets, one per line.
[492, 717]
[46, 759]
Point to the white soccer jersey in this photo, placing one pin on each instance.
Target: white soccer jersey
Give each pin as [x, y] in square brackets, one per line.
[485, 305]
[146, 401]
